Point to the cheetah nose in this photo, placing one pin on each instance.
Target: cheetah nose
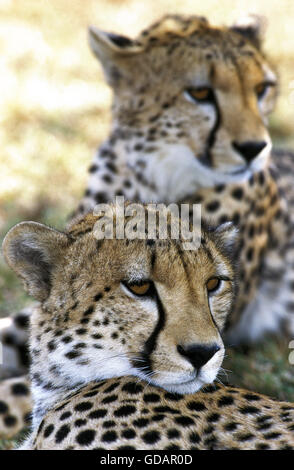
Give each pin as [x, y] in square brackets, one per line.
[198, 354]
[250, 149]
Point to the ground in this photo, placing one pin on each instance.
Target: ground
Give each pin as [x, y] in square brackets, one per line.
[55, 111]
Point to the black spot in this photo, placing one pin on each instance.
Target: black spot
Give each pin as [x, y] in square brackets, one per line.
[128, 434]
[165, 409]
[236, 218]
[84, 406]
[81, 331]
[184, 420]
[237, 193]
[248, 410]
[251, 231]
[264, 426]
[58, 333]
[212, 206]
[173, 396]
[173, 434]
[66, 339]
[194, 437]
[107, 178]
[111, 388]
[96, 414]
[101, 197]
[98, 297]
[245, 437]
[111, 167]
[108, 424]
[93, 168]
[251, 397]
[132, 387]
[262, 446]
[219, 188]
[261, 178]
[48, 430]
[158, 417]
[19, 389]
[141, 422]
[72, 354]
[196, 406]
[249, 254]
[80, 422]
[97, 336]
[125, 410]
[62, 433]
[150, 437]
[89, 311]
[51, 345]
[272, 435]
[65, 415]
[109, 399]
[151, 398]
[21, 320]
[225, 401]
[10, 421]
[213, 417]
[85, 437]
[231, 426]
[109, 436]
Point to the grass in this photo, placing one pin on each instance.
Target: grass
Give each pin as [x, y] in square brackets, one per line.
[55, 110]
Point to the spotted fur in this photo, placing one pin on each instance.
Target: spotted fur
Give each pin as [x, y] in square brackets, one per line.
[122, 414]
[163, 146]
[90, 326]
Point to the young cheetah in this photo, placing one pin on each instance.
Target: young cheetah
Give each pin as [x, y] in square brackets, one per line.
[146, 308]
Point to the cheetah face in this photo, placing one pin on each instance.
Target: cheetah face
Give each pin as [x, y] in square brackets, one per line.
[193, 99]
[124, 307]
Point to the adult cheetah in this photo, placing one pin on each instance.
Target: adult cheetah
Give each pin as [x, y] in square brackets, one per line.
[147, 308]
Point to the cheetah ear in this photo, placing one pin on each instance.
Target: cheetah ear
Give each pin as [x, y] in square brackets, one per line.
[251, 27]
[228, 235]
[112, 51]
[32, 250]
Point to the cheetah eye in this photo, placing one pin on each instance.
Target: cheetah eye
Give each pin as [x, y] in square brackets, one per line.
[262, 88]
[213, 284]
[140, 288]
[201, 94]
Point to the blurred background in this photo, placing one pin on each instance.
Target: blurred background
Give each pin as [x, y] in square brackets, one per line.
[55, 110]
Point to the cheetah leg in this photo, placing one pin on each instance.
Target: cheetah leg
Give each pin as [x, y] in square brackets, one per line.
[15, 406]
[272, 310]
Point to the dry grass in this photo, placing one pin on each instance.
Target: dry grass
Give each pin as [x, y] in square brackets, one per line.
[55, 111]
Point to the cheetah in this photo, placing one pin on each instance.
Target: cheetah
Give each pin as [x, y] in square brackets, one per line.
[198, 138]
[115, 310]
[189, 124]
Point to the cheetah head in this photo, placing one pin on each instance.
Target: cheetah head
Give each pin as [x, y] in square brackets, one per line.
[118, 307]
[195, 99]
